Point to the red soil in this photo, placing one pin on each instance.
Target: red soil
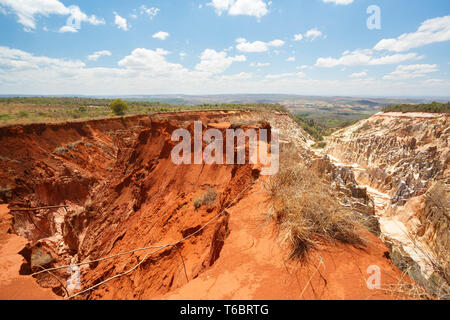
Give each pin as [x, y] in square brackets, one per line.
[12, 285]
[134, 196]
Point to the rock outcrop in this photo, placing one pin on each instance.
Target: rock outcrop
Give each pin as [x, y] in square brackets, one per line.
[405, 159]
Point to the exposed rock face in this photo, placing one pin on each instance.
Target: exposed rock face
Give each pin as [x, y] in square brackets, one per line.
[405, 159]
[402, 154]
[350, 193]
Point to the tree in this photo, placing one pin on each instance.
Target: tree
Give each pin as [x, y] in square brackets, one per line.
[119, 107]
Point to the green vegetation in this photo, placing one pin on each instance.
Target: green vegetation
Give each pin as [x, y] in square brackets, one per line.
[119, 107]
[434, 107]
[25, 110]
[318, 128]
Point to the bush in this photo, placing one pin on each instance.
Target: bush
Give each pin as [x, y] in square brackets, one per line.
[119, 107]
[22, 114]
[206, 198]
[320, 145]
[61, 150]
[308, 211]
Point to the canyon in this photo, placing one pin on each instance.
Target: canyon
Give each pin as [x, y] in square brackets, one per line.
[115, 206]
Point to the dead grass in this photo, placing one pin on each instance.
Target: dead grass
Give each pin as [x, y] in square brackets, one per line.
[206, 198]
[407, 290]
[307, 209]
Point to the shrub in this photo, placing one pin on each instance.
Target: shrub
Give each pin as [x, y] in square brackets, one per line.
[119, 107]
[320, 145]
[22, 114]
[60, 150]
[206, 198]
[308, 211]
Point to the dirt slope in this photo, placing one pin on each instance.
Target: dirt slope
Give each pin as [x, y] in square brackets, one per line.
[253, 265]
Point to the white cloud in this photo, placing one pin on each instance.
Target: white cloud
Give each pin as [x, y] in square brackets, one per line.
[240, 76]
[65, 29]
[27, 10]
[286, 75]
[13, 59]
[361, 74]
[151, 12]
[161, 35]
[121, 22]
[339, 2]
[96, 55]
[298, 37]
[256, 8]
[76, 18]
[260, 64]
[153, 61]
[364, 58]
[431, 31]
[146, 71]
[290, 59]
[313, 34]
[407, 72]
[214, 62]
[257, 46]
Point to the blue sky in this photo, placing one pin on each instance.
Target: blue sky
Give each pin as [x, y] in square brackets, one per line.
[310, 47]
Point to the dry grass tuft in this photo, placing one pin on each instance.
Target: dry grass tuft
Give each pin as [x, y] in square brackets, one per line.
[307, 209]
[206, 198]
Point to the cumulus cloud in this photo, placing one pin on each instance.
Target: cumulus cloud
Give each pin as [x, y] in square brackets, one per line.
[65, 29]
[214, 62]
[76, 18]
[298, 37]
[257, 46]
[121, 22]
[256, 8]
[98, 54]
[364, 58]
[153, 61]
[406, 72]
[431, 31]
[151, 72]
[15, 60]
[311, 34]
[161, 35]
[27, 10]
